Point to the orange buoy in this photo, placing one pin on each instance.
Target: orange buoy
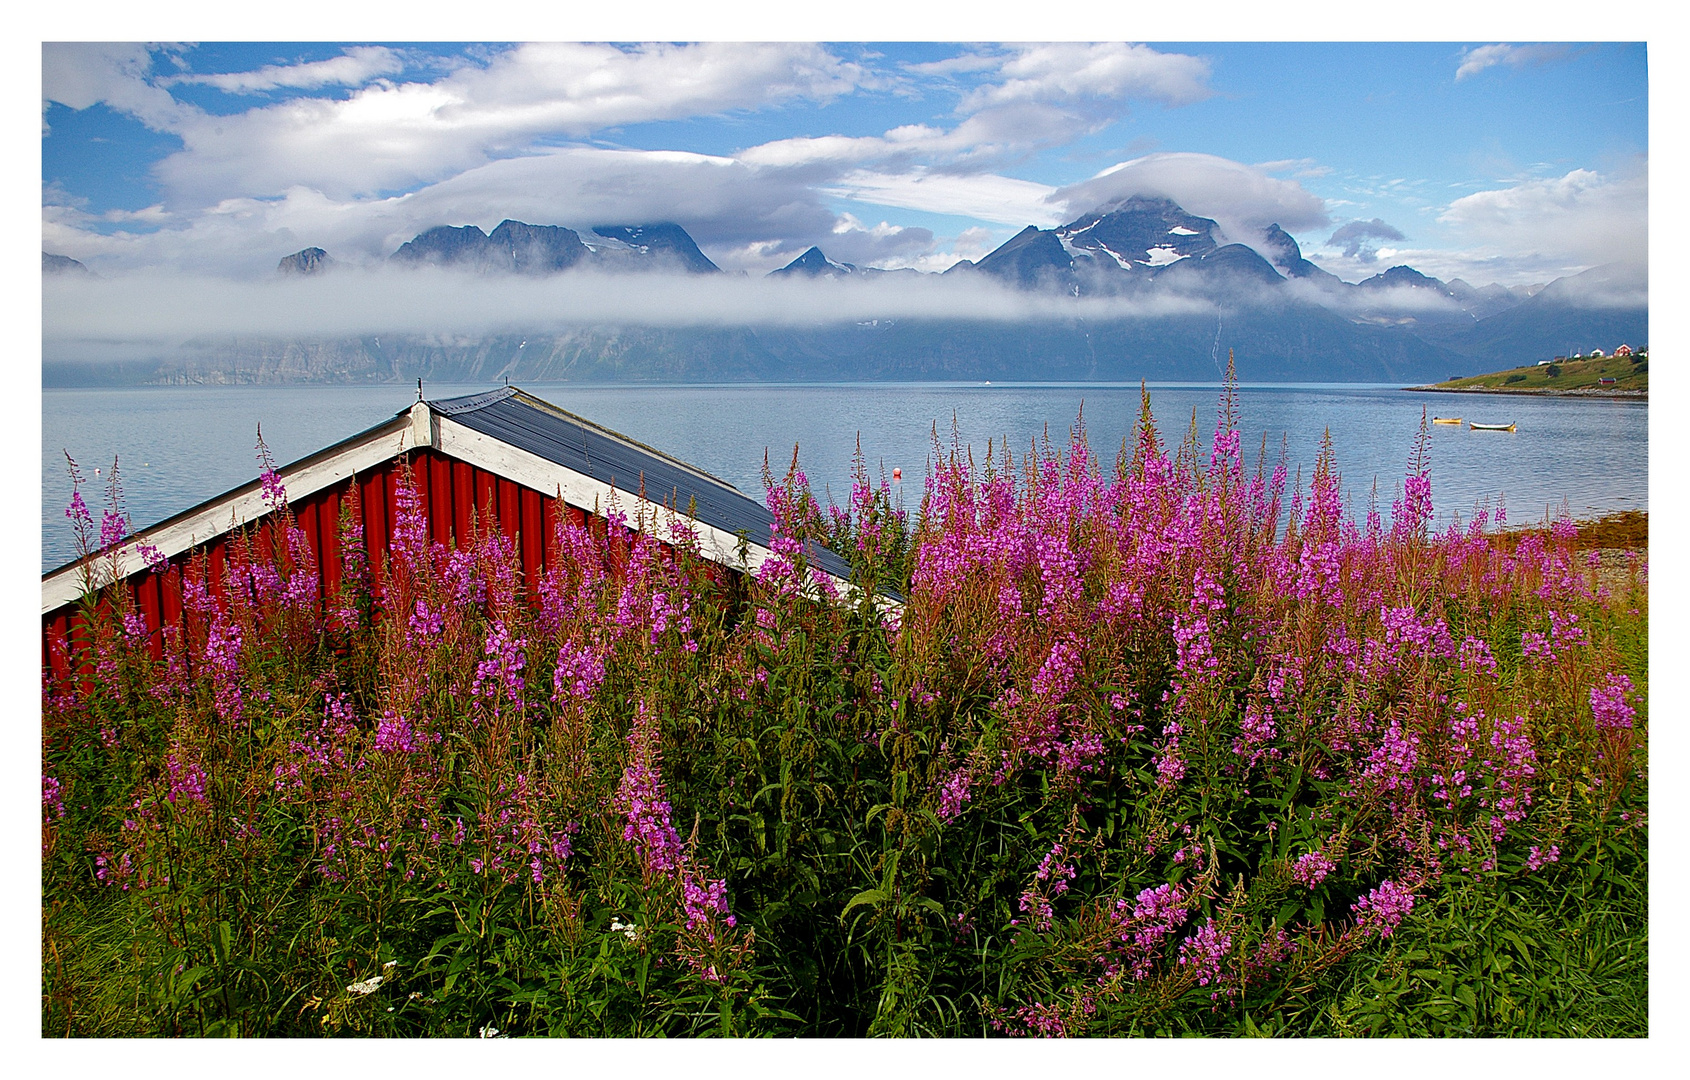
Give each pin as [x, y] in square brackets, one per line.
[898, 474]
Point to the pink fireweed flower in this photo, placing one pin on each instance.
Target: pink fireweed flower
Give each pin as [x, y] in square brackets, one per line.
[223, 657]
[579, 671]
[1311, 869]
[1382, 910]
[1511, 783]
[502, 670]
[1608, 703]
[114, 526]
[154, 558]
[1141, 926]
[705, 903]
[81, 521]
[135, 632]
[1256, 732]
[640, 798]
[463, 577]
[52, 798]
[1538, 858]
[1170, 766]
[394, 735]
[1050, 879]
[1206, 952]
[187, 780]
[424, 624]
[952, 794]
[274, 493]
[410, 528]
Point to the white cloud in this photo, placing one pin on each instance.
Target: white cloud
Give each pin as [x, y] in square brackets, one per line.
[1042, 96]
[1478, 59]
[1581, 219]
[357, 66]
[1071, 71]
[996, 135]
[987, 196]
[80, 74]
[1243, 199]
[386, 137]
[884, 245]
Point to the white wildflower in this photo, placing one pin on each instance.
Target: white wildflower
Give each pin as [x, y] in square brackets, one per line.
[490, 1032]
[368, 986]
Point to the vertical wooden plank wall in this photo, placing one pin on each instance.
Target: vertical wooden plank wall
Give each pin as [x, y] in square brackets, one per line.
[455, 494]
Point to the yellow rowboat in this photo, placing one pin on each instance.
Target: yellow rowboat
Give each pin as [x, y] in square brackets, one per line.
[1490, 427]
[1446, 419]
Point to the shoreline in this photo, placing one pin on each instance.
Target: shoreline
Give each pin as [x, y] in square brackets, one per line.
[1590, 392]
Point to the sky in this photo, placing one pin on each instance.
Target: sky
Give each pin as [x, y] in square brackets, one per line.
[1489, 161]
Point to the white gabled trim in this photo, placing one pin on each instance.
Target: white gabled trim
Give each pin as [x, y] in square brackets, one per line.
[246, 503]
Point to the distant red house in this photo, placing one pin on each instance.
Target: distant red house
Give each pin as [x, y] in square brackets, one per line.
[506, 450]
[1623, 350]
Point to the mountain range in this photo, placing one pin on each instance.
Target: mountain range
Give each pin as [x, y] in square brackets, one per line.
[1286, 318]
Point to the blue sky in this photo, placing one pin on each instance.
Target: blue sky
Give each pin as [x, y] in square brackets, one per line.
[1490, 161]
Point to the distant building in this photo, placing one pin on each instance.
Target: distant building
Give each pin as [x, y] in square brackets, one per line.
[1605, 381]
[1558, 359]
[1623, 350]
[1597, 354]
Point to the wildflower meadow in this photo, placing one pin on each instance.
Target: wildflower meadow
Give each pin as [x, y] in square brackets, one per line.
[1170, 741]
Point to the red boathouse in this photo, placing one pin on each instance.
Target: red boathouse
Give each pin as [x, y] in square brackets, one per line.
[506, 450]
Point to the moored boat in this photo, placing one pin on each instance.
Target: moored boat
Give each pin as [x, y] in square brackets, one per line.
[1446, 419]
[1489, 427]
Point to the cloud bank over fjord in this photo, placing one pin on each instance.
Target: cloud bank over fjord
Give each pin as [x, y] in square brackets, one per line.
[152, 311]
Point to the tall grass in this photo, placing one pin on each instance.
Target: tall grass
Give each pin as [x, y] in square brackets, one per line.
[1169, 745]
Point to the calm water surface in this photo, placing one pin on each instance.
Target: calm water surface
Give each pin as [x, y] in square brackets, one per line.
[177, 446]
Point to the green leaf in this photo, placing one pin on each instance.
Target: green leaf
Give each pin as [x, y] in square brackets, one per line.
[867, 896]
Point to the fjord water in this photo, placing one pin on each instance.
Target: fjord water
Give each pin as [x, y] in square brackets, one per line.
[178, 446]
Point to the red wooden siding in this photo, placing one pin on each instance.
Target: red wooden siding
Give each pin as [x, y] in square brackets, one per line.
[454, 494]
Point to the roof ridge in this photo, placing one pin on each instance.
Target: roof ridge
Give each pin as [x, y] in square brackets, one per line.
[472, 402]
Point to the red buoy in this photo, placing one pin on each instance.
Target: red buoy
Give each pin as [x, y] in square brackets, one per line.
[897, 474]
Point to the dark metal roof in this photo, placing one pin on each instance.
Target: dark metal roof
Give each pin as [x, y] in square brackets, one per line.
[524, 421]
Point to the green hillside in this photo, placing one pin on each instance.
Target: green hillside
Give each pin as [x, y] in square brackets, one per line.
[1628, 373]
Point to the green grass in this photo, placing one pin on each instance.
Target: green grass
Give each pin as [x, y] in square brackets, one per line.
[1572, 375]
[1562, 954]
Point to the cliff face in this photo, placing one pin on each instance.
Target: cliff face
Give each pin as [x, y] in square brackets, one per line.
[312, 260]
[61, 264]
